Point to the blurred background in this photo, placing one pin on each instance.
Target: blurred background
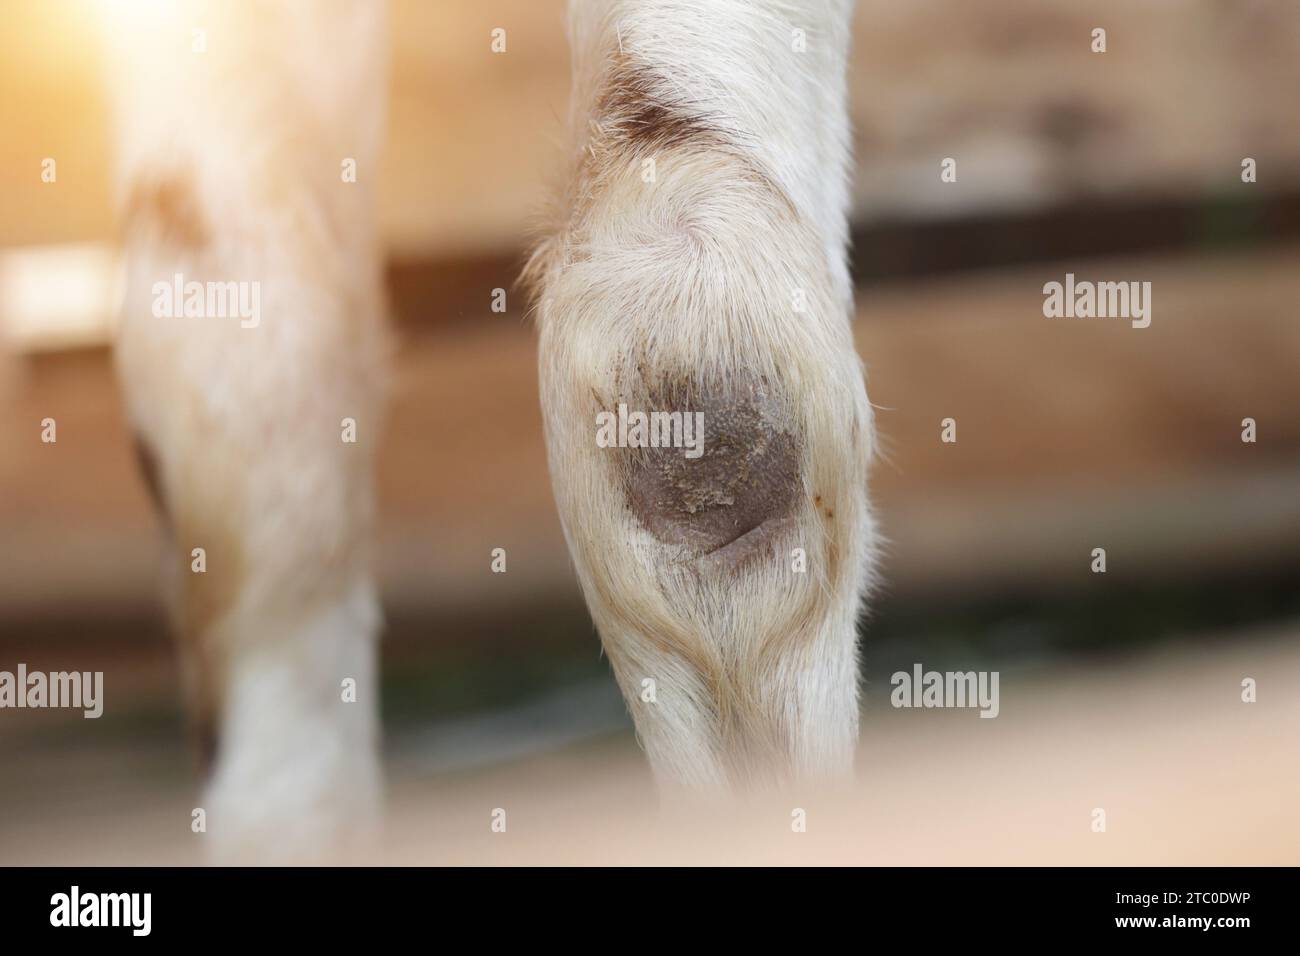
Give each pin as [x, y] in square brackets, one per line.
[1119, 690]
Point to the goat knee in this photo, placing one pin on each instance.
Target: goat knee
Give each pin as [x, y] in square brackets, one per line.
[728, 572]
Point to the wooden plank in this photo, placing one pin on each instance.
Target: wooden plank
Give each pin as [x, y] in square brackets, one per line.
[1063, 426]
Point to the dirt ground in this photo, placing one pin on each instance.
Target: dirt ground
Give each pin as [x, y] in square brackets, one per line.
[1186, 773]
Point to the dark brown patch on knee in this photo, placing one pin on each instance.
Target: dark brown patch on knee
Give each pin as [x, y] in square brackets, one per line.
[167, 206]
[734, 500]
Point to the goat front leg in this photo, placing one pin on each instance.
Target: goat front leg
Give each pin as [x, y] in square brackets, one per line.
[699, 270]
[250, 354]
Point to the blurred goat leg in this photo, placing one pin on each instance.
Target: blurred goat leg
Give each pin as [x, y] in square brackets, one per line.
[251, 353]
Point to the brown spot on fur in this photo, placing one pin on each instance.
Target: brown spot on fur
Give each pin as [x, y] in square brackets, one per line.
[633, 115]
[168, 206]
[633, 112]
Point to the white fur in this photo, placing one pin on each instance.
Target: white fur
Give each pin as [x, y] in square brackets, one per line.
[229, 169]
[693, 276]
[298, 772]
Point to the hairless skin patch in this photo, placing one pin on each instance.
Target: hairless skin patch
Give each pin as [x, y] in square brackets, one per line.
[731, 503]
